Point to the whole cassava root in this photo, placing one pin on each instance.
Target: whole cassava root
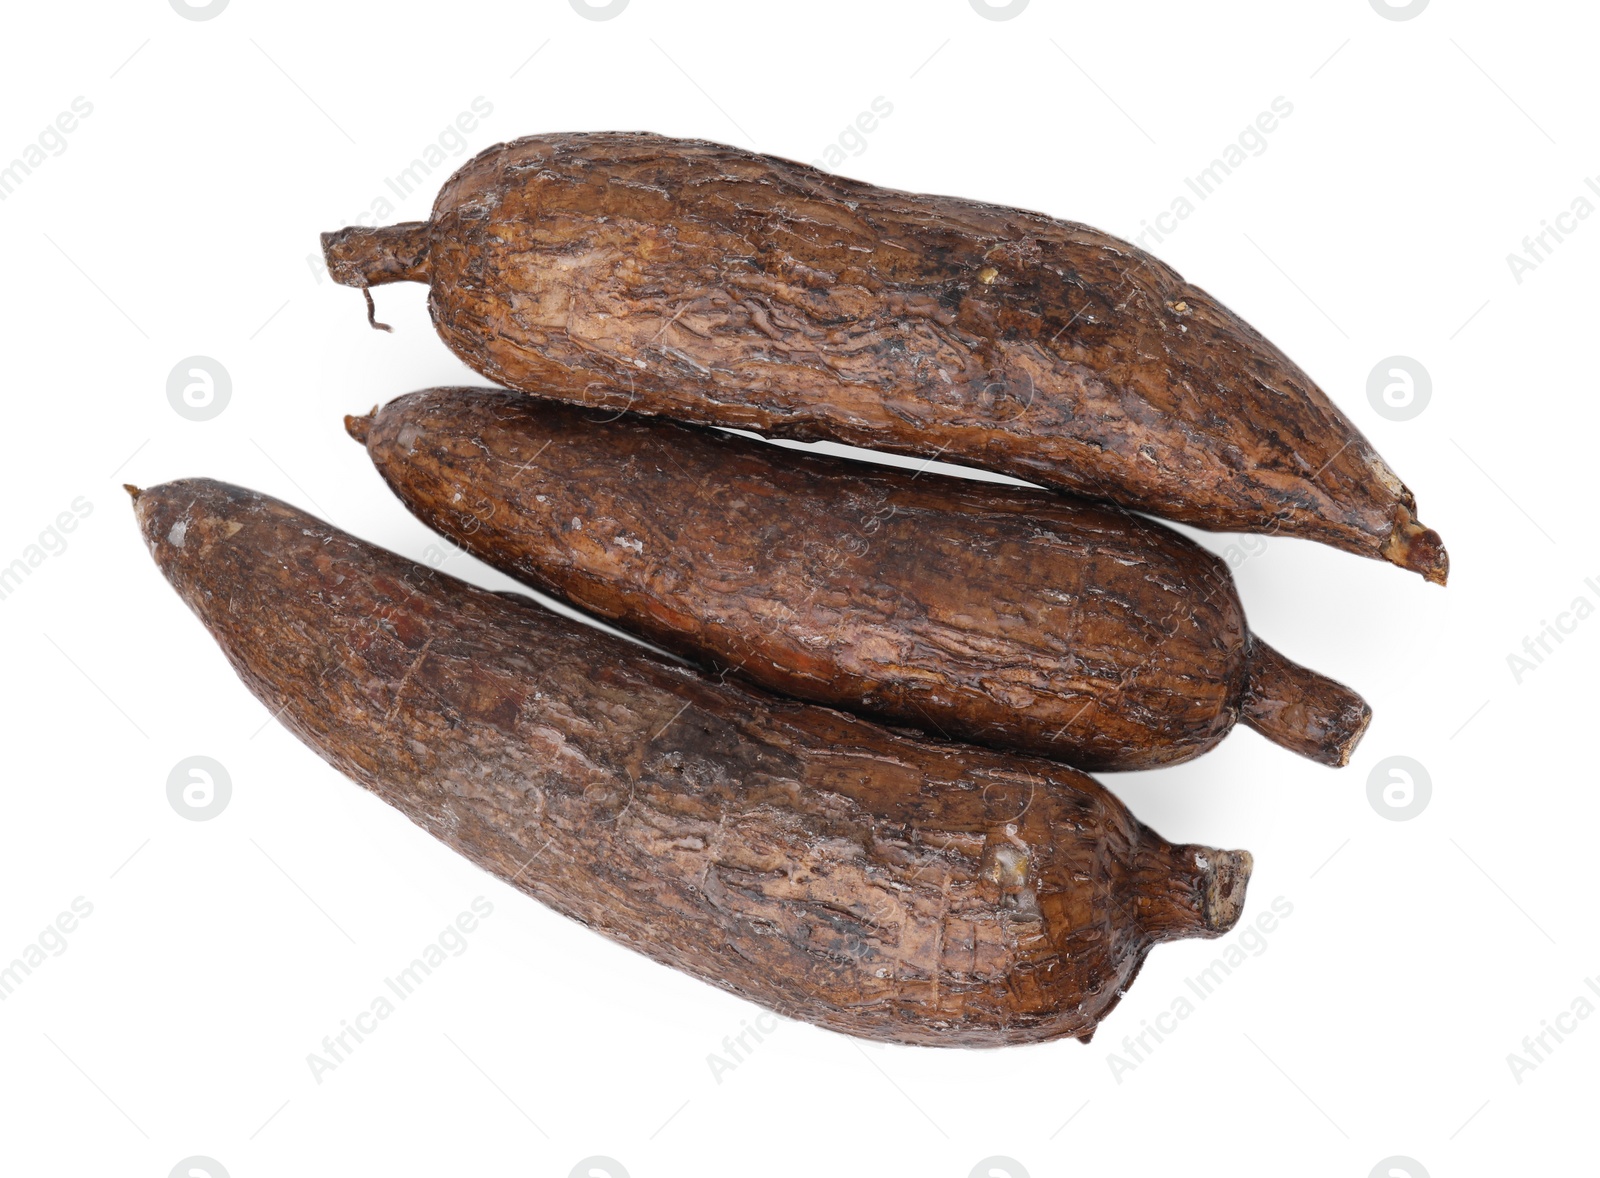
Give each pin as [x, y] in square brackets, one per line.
[804, 859]
[1005, 616]
[707, 283]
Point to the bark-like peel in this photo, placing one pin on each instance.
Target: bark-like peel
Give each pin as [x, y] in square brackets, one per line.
[1007, 616]
[703, 282]
[823, 866]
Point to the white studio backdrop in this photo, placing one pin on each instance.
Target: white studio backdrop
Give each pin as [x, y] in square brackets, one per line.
[1416, 229]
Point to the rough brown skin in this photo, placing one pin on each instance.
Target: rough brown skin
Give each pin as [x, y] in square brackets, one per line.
[815, 863]
[702, 282]
[1006, 616]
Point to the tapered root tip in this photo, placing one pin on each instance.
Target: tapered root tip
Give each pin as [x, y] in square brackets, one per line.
[359, 425]
[1419, 549]
[1227, 875]
[133, 491]
[1303, 711]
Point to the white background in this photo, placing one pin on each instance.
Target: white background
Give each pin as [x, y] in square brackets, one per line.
[178, 221]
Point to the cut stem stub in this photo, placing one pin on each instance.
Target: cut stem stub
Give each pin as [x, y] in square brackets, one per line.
[1303, 711]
